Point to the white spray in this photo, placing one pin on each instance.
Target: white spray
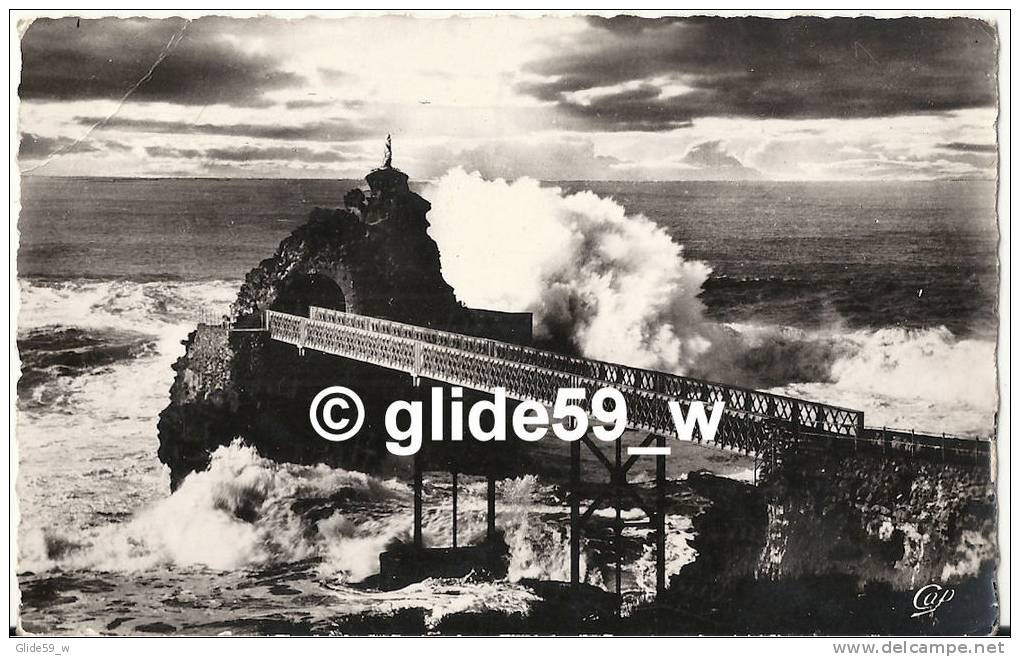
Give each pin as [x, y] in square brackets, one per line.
[617, 287]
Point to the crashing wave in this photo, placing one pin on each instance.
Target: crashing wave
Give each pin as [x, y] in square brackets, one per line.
[617, 287]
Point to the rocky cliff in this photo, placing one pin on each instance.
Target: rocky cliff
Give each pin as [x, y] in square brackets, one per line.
[838, 542]
[372, 257]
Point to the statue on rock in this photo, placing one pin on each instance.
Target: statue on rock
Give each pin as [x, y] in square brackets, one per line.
[374, 257]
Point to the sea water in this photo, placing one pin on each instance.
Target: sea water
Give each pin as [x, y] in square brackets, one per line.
[877, 296]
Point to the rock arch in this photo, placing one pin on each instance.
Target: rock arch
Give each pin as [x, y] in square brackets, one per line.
[300, 291]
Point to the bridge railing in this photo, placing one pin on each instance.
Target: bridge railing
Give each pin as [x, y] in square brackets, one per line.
[901, 437]
[810, 415]
[752, 418]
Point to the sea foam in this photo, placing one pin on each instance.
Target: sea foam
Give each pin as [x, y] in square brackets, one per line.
[617, 287]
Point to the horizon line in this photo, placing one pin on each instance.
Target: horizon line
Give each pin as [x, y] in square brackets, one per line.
[550, 180]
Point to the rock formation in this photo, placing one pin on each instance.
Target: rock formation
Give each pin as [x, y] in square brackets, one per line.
[837, 542]
[373, 257]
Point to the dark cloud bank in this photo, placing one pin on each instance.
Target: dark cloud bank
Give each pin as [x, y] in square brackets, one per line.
[326, 131]
[768, 68]
[252, 154]
[40, 147]
[34, 146]
[68, 59]
[965, 147]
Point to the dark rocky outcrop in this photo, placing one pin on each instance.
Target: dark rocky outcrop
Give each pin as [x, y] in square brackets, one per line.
[838, 542]
[374, 257]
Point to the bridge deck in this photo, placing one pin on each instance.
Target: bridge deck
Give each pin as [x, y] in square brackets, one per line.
[751, 422]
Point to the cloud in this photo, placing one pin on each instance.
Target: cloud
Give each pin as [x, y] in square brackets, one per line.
[68, 59]
[300, 154]
[910, 169]
[114, 145]
[331, 130]
[251, 153]
[553, 160]
[305, 103]
[333, 74]
[37, 147]
[969, 148]
[642, 74]
[711, 161]
[567, 159]
[902, 148]
[711, 154]
[168, 152]
[797, 99]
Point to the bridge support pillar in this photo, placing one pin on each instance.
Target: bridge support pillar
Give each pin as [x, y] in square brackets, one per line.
[619, 478]
[418, 542]
[575, 513]
[419, 392]
[614, 492]
[453, 482]
[660, 518]
[490, 511]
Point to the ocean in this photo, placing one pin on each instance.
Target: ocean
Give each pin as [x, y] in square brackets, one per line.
[876, 296]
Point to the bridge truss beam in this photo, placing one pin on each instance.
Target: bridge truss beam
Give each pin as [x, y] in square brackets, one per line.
[616, 491]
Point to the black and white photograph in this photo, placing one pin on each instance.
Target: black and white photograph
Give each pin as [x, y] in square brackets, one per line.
[496, 323]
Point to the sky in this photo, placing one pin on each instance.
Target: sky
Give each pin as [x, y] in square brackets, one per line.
[554, 98]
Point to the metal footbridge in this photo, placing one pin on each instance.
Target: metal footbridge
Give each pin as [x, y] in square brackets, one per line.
[751, 422]
[757, 423]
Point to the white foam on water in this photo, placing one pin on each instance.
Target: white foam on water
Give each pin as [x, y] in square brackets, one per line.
[239, 513]
[86, 448]
[93, 496]
[236, 514]
[620, 289]
[927, 380]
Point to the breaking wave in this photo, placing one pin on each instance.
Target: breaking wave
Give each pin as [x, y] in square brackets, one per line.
[924, 379]
[107, 328]
[237, 513]
[615, 286]
[246, 511]
[128, 305]
[612, 285]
